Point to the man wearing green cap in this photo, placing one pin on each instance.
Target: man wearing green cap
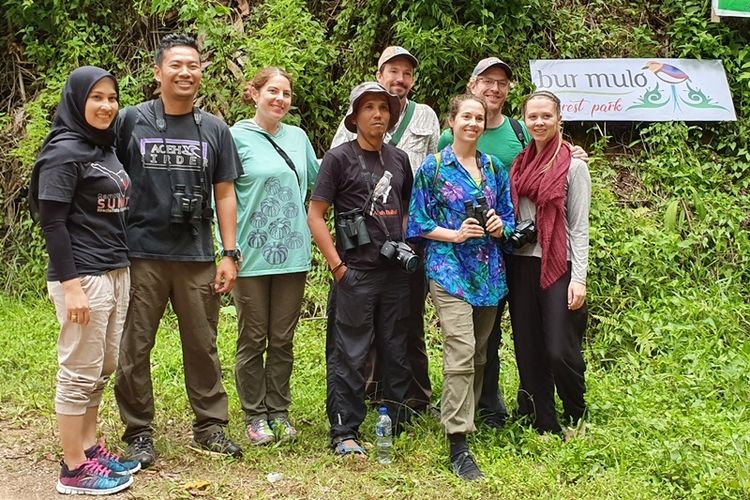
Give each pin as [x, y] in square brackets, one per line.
[503, 137]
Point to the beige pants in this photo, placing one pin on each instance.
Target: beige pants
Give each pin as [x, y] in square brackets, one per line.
[87, 355]
[466, 330]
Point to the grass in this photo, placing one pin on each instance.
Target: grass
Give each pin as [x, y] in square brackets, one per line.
[663, 424]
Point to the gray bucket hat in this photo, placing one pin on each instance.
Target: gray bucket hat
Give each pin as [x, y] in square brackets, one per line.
[394, 104]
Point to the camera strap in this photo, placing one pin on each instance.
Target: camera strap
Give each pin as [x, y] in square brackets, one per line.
[371, 188]
[161, 126]
[283, 154]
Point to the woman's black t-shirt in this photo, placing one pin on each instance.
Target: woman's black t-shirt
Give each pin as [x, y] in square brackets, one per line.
[97, 193]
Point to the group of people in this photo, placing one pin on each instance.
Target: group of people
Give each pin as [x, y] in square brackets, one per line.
[492, 210]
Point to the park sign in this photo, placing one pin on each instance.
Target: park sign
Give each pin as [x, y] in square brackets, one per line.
[644, 90]
[731, 8]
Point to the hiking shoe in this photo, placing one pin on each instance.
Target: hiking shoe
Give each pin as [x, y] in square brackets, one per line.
[283, 429]
[218, 444]
[91, 478]
[259, 432]
[464, 466]
[118, 466]
[142, 449]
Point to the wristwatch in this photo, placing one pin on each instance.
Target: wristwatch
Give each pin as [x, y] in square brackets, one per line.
[233, 253]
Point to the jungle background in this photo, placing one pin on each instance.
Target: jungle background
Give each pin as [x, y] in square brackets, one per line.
[668, 346]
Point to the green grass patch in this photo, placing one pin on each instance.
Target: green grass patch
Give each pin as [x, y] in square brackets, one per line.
[668, 415]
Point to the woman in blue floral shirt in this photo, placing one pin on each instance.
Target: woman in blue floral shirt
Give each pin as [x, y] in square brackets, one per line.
[453, 190]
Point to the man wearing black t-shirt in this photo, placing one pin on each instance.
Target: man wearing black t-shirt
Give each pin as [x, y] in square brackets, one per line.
[177, 157]
[369, 185]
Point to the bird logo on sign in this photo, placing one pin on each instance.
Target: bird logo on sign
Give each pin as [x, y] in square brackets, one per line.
[668, 74]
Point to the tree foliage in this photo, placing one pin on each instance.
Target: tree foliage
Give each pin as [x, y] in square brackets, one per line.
[670, 258]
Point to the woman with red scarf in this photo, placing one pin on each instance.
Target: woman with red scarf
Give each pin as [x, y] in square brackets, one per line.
[547, 278]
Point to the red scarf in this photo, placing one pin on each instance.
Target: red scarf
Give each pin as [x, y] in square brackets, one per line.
[547, 190]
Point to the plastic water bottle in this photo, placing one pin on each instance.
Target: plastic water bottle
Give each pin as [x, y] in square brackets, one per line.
[384, 436]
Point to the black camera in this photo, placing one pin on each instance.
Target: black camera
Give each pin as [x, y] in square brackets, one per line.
[352, 230]
[524, 234]
[400, 252]
[477, 210]
[187, 204]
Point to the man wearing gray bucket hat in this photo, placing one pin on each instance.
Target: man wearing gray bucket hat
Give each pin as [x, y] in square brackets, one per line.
[415, 132]
[368, 182]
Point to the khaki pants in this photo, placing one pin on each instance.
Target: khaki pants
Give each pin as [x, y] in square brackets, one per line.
[466, 330]
[189, 287]
[87, 355]
[268, 309]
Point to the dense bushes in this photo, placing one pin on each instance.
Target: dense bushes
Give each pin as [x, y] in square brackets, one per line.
[671, 210]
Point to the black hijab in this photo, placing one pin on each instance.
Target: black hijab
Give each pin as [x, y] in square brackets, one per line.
[71, 138]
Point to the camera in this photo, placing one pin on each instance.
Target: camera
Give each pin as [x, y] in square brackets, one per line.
[187, 204]
[477, 210]
[351, 229]
[401, 253]
[524, 234]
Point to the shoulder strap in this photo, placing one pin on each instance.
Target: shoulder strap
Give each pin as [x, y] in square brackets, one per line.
[437, 168]
[410, 107]
[283, 154]
[518, 129]
[492, 165]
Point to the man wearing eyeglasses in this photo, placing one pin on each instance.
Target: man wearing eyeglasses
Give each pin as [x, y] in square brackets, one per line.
[503, 137]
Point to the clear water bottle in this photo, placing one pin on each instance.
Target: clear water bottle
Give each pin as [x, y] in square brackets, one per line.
[384, 436]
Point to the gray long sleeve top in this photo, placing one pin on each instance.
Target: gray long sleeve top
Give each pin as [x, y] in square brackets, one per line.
[578, 202]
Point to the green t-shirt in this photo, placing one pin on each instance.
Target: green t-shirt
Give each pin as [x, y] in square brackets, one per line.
[272, 230]
[499, 141]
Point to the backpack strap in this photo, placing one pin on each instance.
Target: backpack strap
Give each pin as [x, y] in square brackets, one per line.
[437, 168]
[518, 129]
[410, 107]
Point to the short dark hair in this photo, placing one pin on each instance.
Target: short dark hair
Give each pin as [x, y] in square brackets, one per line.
[174, 40]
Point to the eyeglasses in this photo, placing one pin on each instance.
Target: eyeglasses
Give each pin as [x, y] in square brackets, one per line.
[491, 82]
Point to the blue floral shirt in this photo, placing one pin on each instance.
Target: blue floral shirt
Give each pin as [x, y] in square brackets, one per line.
[474, 270]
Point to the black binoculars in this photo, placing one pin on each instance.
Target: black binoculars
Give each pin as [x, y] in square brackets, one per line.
[351, 229]
[477, 209]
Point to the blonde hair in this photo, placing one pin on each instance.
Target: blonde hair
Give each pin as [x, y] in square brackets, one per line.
[546, 94]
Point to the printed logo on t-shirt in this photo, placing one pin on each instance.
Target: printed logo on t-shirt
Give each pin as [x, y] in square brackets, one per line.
[272, 232]
[179, 154]
[113, 202]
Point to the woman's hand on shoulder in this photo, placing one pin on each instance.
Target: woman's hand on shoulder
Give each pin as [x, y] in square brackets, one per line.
[76, 303]
[576, 295]
[579, 153]
[470, 228]
[494, 224]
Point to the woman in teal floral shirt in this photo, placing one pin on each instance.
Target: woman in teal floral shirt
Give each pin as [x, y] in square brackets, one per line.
[453, 190]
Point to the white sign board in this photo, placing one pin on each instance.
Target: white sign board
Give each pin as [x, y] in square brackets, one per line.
[733, 8]
[637, 89]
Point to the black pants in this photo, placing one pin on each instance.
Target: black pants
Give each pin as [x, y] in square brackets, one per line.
[371, 308]
[491, 406]
[420, 389]
[547, 338]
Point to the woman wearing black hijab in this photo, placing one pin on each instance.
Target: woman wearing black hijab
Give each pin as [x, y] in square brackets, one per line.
[81, 192]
